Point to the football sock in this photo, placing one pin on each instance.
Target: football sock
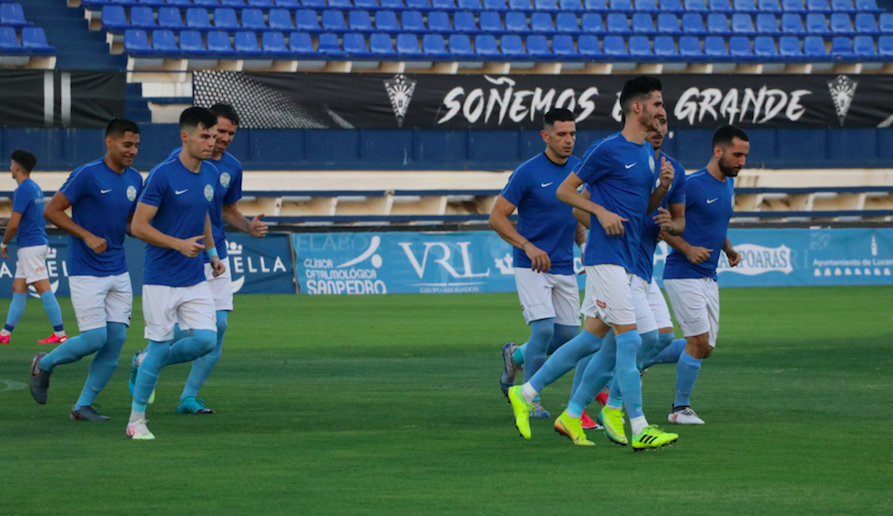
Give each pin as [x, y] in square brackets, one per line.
[541, 332]
[615, 400]
[578, 373]
[663, 340]
[575, 410]
[650, 341]
[627, 374]
[528, 392]
[638, 424]
[75, 348]
[518, 355]
[598, 372]
[156, 355]
[669, 355]
[134, 415]
[54, 312]
[202, 366]
[565, 358]
[563, 333]
[686, 374]
[16, 309]
[199, 344]
[104, 364]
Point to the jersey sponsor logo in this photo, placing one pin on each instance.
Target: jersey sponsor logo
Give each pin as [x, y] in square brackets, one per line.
[209, 193]
[225, 179]
[651, 163]
[179, 192]
[104, 191]
[711, 201]
[631, 165]
[131, 193]
[546, 184]
[757, 259]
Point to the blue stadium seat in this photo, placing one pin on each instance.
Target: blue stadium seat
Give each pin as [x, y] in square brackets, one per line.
[313, 4]
[642, 23]
[538, 46]
[567, 22]
[672, 6]
[246, 43]
[842, 5]
[328, 44]
[618, 24]
[720, 6]
[494, 5]
[180, 3]
[135, 40]
[253, 19]
[520, 5]
[228, 3]
[769, 6]
[739, 46]
[621, 5]
[516, 22]
[191, 42]
[471, 5]
[614, 46]
[863, 46]
[742, 23]
[415, 4]
[570, 5]
[443, 4]
[163, 42]
[818, 6]
[490, 22]
[545, 5]
[439, 21]
[665, 46]
[596, 5]
[690, 46]
[140, 18]
[646, 6]
[354, 44]
[196, 18]
[485, 45]
[692, 23]
[511, 45]
[280, 19]
[541, 22]
[744, 6]
[668, 23]
[265, 4]
[767, 24]
[385, 21]
[715, 46]
[814, 46]
[867, 6]
[305, 19]
[640, 46]
[464, 22]
[789, 46]
[300, 43]
[563, 45]
[218, 43]
[791, 23]
[433, 45]
[841, 23]
[592, 23]
[717, 23]
[331, 21]
[224, 18]
[866, 24]
[113, 17]
[365, 4]
[460, 45]
[35, 40]
[205, 3]
[764, 46]
[842, 46]
[13, 15]
[885, 46]
[412, 21]
[587, 46]
[340, 4]
[696, 6]
[390, 4]
[816, 24]
[885, 23]
[170, 18]
[792, 6]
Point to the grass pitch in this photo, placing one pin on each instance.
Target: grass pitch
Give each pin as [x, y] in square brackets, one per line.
[391, 405]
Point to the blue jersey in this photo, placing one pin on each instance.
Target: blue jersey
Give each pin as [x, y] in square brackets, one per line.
[228, 191]
[675, 195]
[101, 202]
[545, 221]
[183, 199]
[28, 200]
[709, 204]
[620, 177]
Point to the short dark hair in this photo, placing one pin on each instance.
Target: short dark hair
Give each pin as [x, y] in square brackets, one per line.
[725, 134]
[192, 117]
[25, 159]
[119, 126]
[637, 89]
[558, 115]
[226, 111]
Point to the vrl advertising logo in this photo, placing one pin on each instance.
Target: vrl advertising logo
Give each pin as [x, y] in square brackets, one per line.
[444, 262]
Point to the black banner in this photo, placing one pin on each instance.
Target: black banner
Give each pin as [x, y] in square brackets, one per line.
[49, 98]
[435, 101]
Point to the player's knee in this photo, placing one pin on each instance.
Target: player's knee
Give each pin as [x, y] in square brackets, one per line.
[542, 331]
[95, 339]
[116, 332]
[701, 344]
[222, 321]
[205, 341]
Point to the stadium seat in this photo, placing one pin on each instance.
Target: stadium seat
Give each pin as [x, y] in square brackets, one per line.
[614, 46]
[218, 43]
[196, 18]
[764, 46]
[814, 46]
[744, 6]
[386, 21]
[592, 23]
[842, 46]
[354, 44]
[35, 39]
[340, 4]
[640, 46]
[433, 45]
[280, 19]
[866, 24]
[885, 46]
[539, 22]
[328, 44]
[135, 40]
[563, 45]
[587, 46]
[300, 43]
[742, 23]
[511, 45]
[333, 21]
[696, 6]
[720, 6]
[672, 6]
[545, 5]
[621, 5]
[769, 6]
[596, 5]
[818, 6]
[646, 6]
[538, 46]
[570, 5]
[444, 4]
[265, 4]
[885, 23]
[792, 6]
[791, 23]
[485, 45]
[739, 46]
[9, 41]
[490, 22]
[246, 43]
[13, 15]
[841, 23]
[789, 46]
[208, 3]
[516, 22]
[460, 45]
[140, 18]
[170, 18]
[667, 23]
[863, 46]
[767, 24]
[391, 4]
[494, 5]
[642, 23]
[227, 3]
[816, 24]
[618, 24]
[416, 4]
[253, 19]
[693, 23]
[464, 22]
[665, 46]
[715, 46]
[224, 18]
[717, 23]
[191, 42]
[867, 6]
[567, 22]
[163, 42]
[288, 4]
[842, 5]
[113, 17]
[520, 5]
[690, 46]
[305, 19]
[439, 21]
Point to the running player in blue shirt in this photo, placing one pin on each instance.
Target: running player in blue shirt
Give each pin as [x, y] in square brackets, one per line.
[172, 217]
[620, 172]
[690, 272]
[28, 226]
[543, 248]
[102, 196]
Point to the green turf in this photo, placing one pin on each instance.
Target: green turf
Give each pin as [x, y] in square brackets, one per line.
[391, 405]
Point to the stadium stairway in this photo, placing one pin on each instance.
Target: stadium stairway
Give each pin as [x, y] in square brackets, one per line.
[76, 47]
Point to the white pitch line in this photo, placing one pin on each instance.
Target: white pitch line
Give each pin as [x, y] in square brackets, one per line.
[11, 385]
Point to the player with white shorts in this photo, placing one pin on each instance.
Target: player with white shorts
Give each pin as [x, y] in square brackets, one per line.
[690, 272]
[102, 196]
[172, 217]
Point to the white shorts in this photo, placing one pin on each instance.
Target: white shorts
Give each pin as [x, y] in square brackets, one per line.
[32, 264]
[99, 300]
[659, 307]
[696, 305]
[641, 293]
[546, 295]
[191, 307]
[221, 287]
[608, 294]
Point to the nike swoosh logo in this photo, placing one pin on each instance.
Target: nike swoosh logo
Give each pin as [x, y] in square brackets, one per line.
[630, 166]
[178, 192]
[546, 184]
[105, 191]
[711, 201]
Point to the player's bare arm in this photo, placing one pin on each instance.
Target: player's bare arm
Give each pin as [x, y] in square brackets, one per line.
[141, 228]
[254, 227]
[55, 213]
[568, 194]
[695, 254]
[731, 253]
[12, 227]
[499, 221]
[673, 220]
[216, 263]
[667, 173]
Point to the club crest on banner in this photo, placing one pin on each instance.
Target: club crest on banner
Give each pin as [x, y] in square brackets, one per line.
[842, 89]
[400, 91]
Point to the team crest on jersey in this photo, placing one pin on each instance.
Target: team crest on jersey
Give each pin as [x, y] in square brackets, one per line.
[131, 193]
[209, 193]
[651, 163]
[225, 179]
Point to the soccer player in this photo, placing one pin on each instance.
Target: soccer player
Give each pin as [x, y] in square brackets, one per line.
[690, 271]
[619, 171]
[172, 217]
[102, 196]
[29, 227]
[543, 247]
